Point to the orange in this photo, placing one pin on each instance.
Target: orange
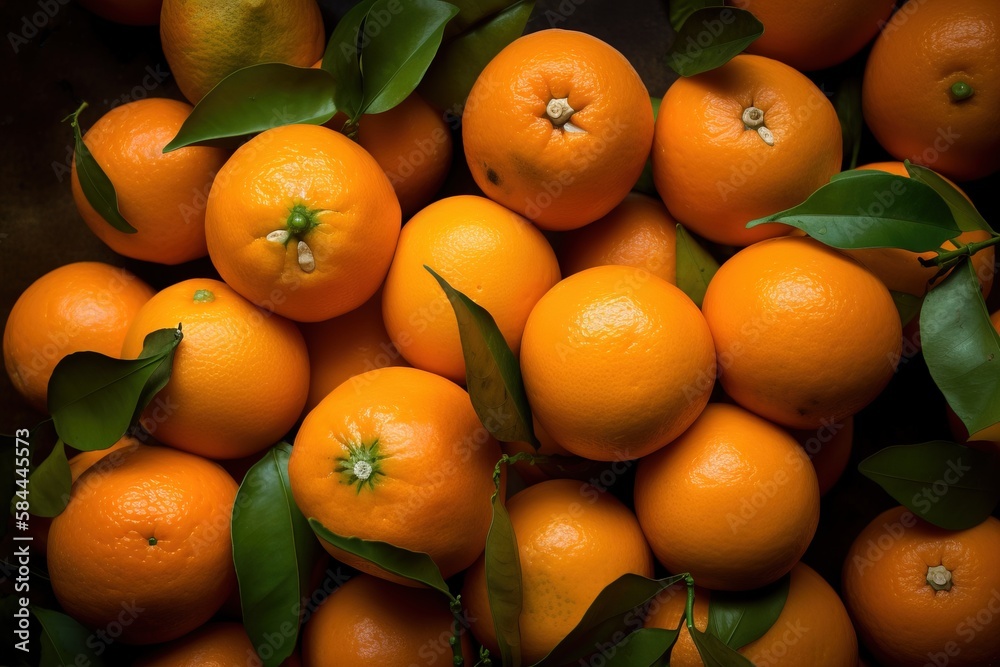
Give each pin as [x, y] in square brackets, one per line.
[616, 362]
[217, 644]
[920, 595]
[79, 306]
[813, 627]
[162, 195]
[803, 333]
[814, 35]
[128, 12]
[205, 40]
[932, 86]
[829, 449]
[492, 255]
[638, 232]
[734, 500]
[742, 141]
[302, 221]
[573, 539]
[143, 549]
[557, 127]
[370, 621]
[400, 458]
[240, 375]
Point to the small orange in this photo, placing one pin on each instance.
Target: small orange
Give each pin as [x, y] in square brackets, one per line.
[240, 375]
[558, 127]
[127, 12]
[743, 141]
[79, 306]
[573, 539]
[920, 595]
[734, 500]
[829, 449]
[303, 222]
[216, 644]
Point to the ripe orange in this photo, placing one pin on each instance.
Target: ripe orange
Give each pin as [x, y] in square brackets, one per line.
[803, 333]
[638, 232]
[302, 221]
[217, 644]
[205, 41]
[742, 141]
[490, 254]
[829, 449]
[400, 458]
[79, 306]
[162, 195]
[932, 86]
[616, 362]
[240, 375]
[734, 500]
[127, 12]
[558, 128]
[370, 621]
[144, 545]
[919, 594]
[572, 540]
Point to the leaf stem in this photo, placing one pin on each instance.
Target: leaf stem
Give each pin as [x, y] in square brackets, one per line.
[74, 117]
[949, 258]
[689, 607]
[457, 628]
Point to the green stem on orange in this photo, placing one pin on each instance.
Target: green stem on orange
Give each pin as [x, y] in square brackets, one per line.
[362, 466]
[689, 607]
[457, 628]
[960, 90]
[203, 296]
[947, 259]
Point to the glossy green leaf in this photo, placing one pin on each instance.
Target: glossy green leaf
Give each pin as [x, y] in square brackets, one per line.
[492, 374]
[681, 10]
[962, 350]
[95, 184]
[872, 209]
[342, 59]
[695, 267]
[710, 38]
[966, 216]
[93, 398]
[274, 550]
[847, 102]
[646, 647]
[738, 618]
[50, 483]
[908, 305]
[503, 580]
[64, 641]
[645, 184]
[952, 486]
[714, 652]
[257, 98]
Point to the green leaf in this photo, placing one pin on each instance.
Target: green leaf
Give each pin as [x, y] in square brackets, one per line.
[872, 209]
[50, 483]
[64, 641]
[492, 373]
[714, 652]
[952, 486]
[738, 618]
[93, 398]
[695, 267]
[274, 550]
[645, 647]
[342, 59]
[962, 349]
[503, 580]
[94, 183]
[681, 10]
[257, 98]
[908, 305]
[414, 565]
[847, 102]
[710, 38]
[966, 216]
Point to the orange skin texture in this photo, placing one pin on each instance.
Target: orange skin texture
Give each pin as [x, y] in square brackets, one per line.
[899, 616]
[162, 195]
[126, 12]
[734, 500]
[813, 627]
[99, 553]
[572, 541]
[370, 621]
[804, 334]
[353, 206]
[240, 375]
[639, 232]
[829, 449]
[437, 469]
[715, 175]
[489, 253]
[559, 179]
[906, 93]
[76, 307]
[216, 644]
[616, 363]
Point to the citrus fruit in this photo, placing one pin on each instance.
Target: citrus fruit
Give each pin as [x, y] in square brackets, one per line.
[742, 141]
[239, 378]
[557, 127]
[919, 594]
[734, 500]
[144, 544]
[162, 195]
[803, 333]
[829, 449]
[302, 221]
[127, 12]
[616, 362]
[932, 85]
[395, 459]
[573, 539]
[490, 254]
[76, 307]
[216, 644]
